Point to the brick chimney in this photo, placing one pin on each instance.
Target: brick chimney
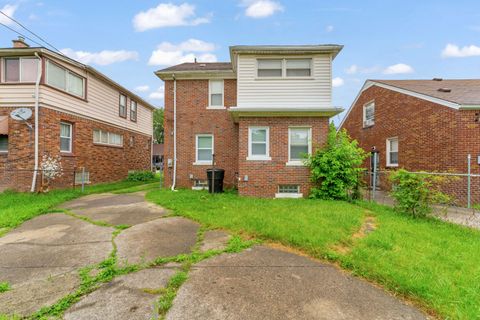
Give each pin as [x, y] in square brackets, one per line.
[20, 43]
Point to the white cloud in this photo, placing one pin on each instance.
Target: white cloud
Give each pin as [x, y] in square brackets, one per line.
[143, 88]
[353, 69]
[168, 15]
[337, 82]
[454, 51]
[399, 68]
[168, 53]
[9, 10]
[102, 58]
[261, 8]
[157, 94]
[329, 29]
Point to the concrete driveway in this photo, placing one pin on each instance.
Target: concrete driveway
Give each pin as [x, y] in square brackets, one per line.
[42, 258]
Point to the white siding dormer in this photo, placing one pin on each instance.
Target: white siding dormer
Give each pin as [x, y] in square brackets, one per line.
[285, 91]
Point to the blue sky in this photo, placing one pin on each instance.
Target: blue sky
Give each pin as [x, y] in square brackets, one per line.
[129, 40]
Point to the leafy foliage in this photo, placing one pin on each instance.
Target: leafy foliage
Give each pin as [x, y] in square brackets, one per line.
[158, 130]
[415, 193]
[140, 176]
[335, 169]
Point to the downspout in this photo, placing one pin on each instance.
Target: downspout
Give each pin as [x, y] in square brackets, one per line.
[37, 98]
[174, 179]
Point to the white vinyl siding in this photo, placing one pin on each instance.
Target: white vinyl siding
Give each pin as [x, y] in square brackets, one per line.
[203, 149]
[20, 69]
[392, 152]
[65, 80]
[299, 144]
[277, 92]
[215, 97]
[107, 138]
[258, 143]
[66, 136]
[369, 114]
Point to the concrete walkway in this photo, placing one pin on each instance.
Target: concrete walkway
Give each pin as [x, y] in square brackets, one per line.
[41, 260]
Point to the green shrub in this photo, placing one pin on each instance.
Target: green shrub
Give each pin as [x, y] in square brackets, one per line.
[415, 193]
[140, 176]
[335, 169]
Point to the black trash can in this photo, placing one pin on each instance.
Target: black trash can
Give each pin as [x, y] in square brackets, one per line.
[216, 176]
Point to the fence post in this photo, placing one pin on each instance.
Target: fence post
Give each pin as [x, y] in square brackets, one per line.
[469, 157]
[374, 182]
[83, 179]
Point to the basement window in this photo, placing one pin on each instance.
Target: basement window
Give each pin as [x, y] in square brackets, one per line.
[288, 191]
[3, 143]
[79, 178]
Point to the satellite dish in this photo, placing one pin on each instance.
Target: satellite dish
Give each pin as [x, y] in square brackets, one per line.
[21, 114]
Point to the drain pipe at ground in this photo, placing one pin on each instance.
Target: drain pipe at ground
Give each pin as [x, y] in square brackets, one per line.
[174, 179]
[37, 84]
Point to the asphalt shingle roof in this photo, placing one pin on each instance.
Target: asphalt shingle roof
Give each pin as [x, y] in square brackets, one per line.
[199, 66]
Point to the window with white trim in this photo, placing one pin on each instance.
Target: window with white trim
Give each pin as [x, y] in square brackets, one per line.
[107, 138]
[258, 143]
[284, 68]
[122, 106]
[369, 114]
[298, 67]
[204, 149]
[133, 111]
[392, 152]
[299, 143]
[65, 80]
[269, 67]
[20, 69]
[66, 137]
[216, 93]
[289, 188]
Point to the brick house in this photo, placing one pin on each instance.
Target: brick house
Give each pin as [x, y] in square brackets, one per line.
[84, 117]
[421, 125]
[257, 114]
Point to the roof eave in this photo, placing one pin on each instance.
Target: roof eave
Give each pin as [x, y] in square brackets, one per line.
[195, 74]
[246, 112]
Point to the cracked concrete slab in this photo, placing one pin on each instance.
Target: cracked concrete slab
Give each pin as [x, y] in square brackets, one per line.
[215, 240]
[50, 245]
[159, 238]
[266, 283]
[115, 209]
[25, 299]
[128, 297]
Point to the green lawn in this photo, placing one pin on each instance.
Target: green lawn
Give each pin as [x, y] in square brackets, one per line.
[17, 207]
[434, 263]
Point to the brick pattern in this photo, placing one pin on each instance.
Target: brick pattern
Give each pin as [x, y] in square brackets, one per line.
[431, 137]
[105, 163]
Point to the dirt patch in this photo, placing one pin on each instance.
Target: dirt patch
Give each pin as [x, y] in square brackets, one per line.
[368, 226]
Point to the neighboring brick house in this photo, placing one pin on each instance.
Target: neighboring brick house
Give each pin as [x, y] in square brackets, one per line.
[83, 116]
[421, 125]
[258, 114]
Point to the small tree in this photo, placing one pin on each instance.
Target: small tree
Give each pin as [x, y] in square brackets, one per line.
[415, 193]
[51, 169]
[335, 169]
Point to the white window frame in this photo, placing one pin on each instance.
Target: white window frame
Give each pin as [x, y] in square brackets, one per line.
[203, 162]
[67, 72]
[70, 137]
[284, 68]
[20, 80]
[293, 195]
[372, 121]
[133, 110]
[108, 138]
[265, 157]
[210, 94]
[389, 164]
[296, 162]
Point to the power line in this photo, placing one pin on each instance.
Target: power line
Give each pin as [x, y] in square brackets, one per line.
[20, 34]
[36, 35]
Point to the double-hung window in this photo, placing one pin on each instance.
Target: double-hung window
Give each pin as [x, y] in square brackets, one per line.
[204, 149]
[392, 152]
[215, 93]
[66, 137]
[258, 143]
[133, 111]
[107, 138]
[369, 114]
[270, 68]
[20, 69]
[122, 106]
[299, 144]
[284, 68]
[65, 80]
[298, 67]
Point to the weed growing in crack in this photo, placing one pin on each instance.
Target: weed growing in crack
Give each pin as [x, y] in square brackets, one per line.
[4, 286]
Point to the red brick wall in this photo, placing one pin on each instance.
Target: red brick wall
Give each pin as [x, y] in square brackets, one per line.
[431, 137]
[105, 163]
[265, 176]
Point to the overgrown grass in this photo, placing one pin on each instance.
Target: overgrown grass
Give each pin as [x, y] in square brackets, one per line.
[17, 207]
[434, 263]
